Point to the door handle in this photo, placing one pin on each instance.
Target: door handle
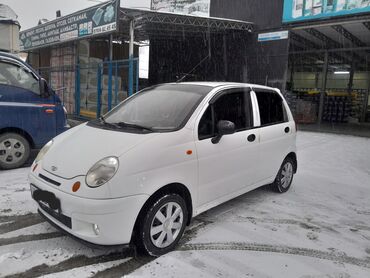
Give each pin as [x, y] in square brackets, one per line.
[287, 129]
[251, 138]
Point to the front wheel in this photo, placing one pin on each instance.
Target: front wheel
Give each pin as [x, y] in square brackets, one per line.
[162, 225]
[284, 178]
[14, 151]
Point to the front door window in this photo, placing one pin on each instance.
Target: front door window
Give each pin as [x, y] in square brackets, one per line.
[233, 107]
[15, 75]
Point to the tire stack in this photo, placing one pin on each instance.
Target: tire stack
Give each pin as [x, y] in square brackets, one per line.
[358, 103]
[291, 98]
[337, 109]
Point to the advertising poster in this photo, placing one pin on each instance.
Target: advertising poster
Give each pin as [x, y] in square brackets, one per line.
[192, 7]
[93, 21]
[301, 10]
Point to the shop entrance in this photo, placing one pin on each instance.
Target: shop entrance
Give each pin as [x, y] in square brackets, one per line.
[329, 73]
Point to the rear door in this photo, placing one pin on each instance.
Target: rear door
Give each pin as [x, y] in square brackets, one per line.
[21, 104]
[228, 166]
[276, 132]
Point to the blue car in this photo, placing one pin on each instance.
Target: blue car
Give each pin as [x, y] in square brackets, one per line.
[31, 114]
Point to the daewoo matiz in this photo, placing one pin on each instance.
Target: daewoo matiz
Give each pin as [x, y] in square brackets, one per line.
[170, 152]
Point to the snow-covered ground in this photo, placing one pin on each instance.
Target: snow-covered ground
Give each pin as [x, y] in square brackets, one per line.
[320, 228]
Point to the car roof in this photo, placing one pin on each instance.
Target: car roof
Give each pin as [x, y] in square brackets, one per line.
[9, 55]
[225, 84]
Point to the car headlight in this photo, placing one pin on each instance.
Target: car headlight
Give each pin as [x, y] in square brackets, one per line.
[102, 171]
[43, 151]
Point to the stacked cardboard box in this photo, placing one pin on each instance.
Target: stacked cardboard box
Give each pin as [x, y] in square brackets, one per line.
[89, 83]
[88, 80]
[306, 112]
[291, 98]
[62, 75]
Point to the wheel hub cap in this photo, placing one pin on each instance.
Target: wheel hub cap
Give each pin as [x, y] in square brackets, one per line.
[286, 175]
[166, 225]
[11, 151]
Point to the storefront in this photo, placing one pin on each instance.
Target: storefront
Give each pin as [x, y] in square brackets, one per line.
[316, 51]
[83, 58]
[91, 58]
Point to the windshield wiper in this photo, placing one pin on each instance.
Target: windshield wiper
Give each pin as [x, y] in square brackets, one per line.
[123, 124]
[102, 120]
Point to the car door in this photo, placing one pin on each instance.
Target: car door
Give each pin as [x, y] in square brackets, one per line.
[276, 132]
[21, 103]
[227, 166]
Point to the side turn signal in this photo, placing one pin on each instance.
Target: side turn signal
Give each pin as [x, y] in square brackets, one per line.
[76, 186]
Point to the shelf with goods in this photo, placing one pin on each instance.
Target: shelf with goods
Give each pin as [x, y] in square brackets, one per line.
[339, 105]
[337, 109]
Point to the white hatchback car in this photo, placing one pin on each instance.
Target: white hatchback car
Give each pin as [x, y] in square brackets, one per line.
[168, 153]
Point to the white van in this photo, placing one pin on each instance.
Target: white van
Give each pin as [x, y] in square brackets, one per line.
[168, 153]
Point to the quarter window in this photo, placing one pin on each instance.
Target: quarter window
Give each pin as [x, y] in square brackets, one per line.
[271, 108]
[14, 75]
[233, 107]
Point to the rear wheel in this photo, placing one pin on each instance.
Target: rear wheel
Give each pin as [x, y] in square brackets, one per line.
[284, 177]
[14, 150]
[162, 225]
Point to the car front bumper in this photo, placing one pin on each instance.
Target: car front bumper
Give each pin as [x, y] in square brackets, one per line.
[97, 221]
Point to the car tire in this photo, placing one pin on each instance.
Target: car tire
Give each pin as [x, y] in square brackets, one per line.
[158, 231]
[14, 151]
[284, 178]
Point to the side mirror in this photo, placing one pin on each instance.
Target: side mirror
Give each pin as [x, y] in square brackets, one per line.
[224, 128]
[44, 88]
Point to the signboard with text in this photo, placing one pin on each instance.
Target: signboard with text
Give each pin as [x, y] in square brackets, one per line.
[302, 10]
[192, 7]
[273, 36]
[93, 21]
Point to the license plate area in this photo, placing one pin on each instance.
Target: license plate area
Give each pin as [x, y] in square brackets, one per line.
[50, 204]
[46, 199]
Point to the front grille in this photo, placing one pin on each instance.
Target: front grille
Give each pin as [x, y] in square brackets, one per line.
[49, 180]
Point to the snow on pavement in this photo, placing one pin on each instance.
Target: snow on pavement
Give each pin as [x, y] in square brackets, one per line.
[85, 271]
[15, 193]
[320, 228]
[210, 264]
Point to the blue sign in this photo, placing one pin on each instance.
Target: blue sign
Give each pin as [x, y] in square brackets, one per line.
[273, 36]
[302, 10]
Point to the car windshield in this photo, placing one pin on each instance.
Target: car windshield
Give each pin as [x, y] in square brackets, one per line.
[162, 108]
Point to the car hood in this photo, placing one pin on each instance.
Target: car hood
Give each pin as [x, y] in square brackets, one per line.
[76, 151]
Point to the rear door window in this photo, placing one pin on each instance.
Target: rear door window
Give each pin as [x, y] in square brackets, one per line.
[271, 108]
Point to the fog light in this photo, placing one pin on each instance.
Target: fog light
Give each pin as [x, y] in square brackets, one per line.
[34, 167]
[96, 229]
